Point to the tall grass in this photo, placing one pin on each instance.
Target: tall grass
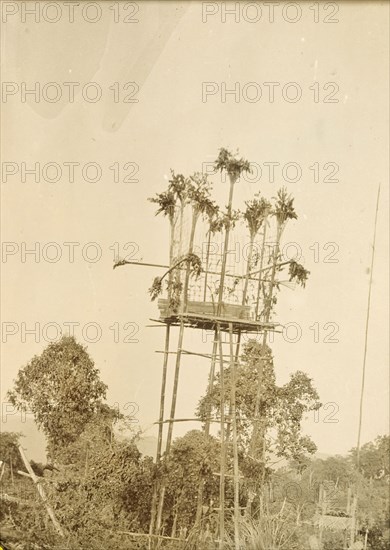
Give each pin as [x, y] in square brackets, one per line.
[267, 531]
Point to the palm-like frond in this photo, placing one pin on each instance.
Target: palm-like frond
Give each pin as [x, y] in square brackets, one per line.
[234, 166]
[284, 206]
[256, 211]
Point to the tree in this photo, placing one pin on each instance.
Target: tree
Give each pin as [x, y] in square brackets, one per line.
[62, 388]
[281, 408]
[374, 459]
[192, 457]
[9, 453]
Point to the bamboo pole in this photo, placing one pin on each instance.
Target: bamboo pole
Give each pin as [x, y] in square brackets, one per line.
[195, 216]
[130, 533]
[366, 334]
[12, 472]
[168, 420]
[207, 263]
[219, 307]
[170, 425]
[160, 428]
[353, 522]
[207, 423]
[261, 266]
[244, 295]
[238, 344]
[248, 267]
[181, 334]
[321, 499]
[162, 396]
[178, 267]
[268, 310]
[171, 249]
[155, 507]
[233, 179]
[349, 501]
[178, 274]
[42, 493]
[235, 443]
[223, 452]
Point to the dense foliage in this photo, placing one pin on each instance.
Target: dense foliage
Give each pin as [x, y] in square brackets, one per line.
[62, 389]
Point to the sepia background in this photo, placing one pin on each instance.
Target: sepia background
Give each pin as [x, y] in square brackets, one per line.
[169, 53]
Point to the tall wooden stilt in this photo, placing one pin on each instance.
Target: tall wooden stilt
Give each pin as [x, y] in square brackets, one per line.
[261, 267]
[207, 264]
[162, 397]
[237, 356]
[233, 419]
[226, 244]
[160, 428]
[207, 423]
[223, 450]
[268, 310]
[195, 216]
[170, 424]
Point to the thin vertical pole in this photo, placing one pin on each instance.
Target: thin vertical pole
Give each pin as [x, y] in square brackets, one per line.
[322, 498]
[366, 333]
[195, 215]
[268, 309]
[160, 426]
[156, 506]
[353, 521]
[211, 380]
[223, 451]
[12, 472]
[365, 539]
[238, 344]
[207, 423]
[349, 501]
[162, 396]
[226, 243]
[207, 264]
[235, 443]
[261, 267]
[279, 231]
[248, 269]
[225, 253]
[170, 424]
[180, 341]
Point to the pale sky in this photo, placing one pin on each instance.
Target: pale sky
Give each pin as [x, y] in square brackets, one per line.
[169, 53]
